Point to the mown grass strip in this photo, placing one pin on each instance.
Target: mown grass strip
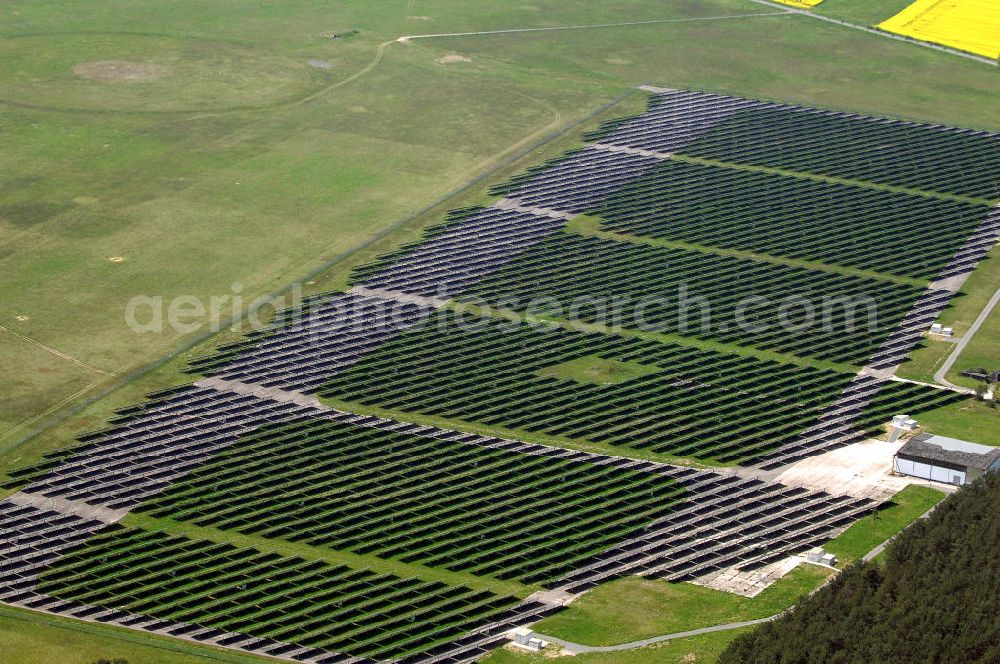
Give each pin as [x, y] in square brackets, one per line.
[676, 339]
[705, 161]
[591, 226]
[331, 556]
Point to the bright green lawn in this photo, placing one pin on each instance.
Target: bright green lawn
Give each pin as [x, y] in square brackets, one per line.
[872, 530]
[974, 294]
[983, 350]
[27, 637]
[598, 370]
[692, 650]
[634, 608]
[971, 420]
[926, 359]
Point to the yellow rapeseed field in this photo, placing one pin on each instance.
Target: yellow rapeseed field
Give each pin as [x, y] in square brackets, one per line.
[969, 25]
[801, 4]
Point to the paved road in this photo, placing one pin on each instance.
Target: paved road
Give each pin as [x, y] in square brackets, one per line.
[579, 647]
[940, 374]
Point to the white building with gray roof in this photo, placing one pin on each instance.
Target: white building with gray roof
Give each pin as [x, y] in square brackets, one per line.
[947, 460]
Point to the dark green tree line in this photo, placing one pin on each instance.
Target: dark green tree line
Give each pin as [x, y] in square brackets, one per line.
[936, 599]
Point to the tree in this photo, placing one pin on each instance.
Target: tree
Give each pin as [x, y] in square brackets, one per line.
[934, 600]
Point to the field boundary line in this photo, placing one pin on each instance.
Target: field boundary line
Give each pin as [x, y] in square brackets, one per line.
[936, 386]
[53, 351]
[142, 369]
[477, 33]
[883, 33]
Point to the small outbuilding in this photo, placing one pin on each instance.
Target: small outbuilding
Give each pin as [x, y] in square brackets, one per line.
[945, 460]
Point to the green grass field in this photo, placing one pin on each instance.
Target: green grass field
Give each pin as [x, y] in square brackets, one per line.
[28, 637]
[692, 650]
[866, 534]
[240, 164]
[634, 608]
[251, 149]
[983, 350]
[974, 421]
[960, 314]
[206, 148]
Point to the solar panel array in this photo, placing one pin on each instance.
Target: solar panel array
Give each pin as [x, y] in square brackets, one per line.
[152, 447]
[301, 350]
[833, 223]
[475, 244]
[833, 316]
[95, 582]
[809, 140]
[314, 606]
[689, 402]
[675, 118]
[577, 182]
[397, 495]
[31, 539]
[247, 450]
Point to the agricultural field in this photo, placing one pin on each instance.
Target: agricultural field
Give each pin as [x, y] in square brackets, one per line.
[969, 25]
[443, 431]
